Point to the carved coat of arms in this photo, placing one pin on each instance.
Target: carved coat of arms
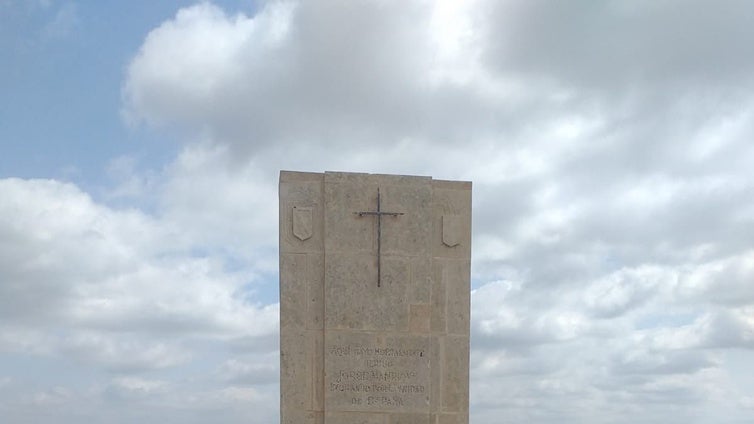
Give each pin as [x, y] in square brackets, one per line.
[451, 230]
[302, 222]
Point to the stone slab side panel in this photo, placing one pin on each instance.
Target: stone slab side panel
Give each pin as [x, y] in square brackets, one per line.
[450, 301]
[301, 298]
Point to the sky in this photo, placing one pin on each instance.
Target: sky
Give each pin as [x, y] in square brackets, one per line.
[610, 145]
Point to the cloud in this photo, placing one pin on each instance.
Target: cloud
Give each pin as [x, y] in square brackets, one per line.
[65, 21]
[208, 54]
[105, 268]
[608, 145]
[135, 386]
[617, 46]
[115, 292]
[310, 74]
[252, 370]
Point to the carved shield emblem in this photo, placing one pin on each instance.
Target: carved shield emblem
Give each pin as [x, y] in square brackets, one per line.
[302, 222]
[451, 230]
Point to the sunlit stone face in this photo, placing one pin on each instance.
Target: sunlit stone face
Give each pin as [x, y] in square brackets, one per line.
[374, 289]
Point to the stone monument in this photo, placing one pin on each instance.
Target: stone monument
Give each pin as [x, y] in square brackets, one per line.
[374, 299]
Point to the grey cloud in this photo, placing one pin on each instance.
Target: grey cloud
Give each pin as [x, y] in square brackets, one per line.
[252, 370]
[660, 362]
[728, 329]
[624, 290]
[726, 282]
[254, 344]
[621, 46]
[123, 354]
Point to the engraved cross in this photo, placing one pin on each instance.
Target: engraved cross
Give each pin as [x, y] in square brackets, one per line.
[379, 213]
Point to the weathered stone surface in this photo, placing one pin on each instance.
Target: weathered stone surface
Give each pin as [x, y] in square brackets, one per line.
[374, 311]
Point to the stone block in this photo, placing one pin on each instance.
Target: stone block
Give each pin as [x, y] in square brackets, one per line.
[374, 299]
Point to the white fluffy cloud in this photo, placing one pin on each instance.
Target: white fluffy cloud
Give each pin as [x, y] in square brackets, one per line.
[609, 146]
[383, 69]
[116, 294]
[81, 262]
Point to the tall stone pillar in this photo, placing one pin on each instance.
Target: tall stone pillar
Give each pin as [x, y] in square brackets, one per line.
[374, 299]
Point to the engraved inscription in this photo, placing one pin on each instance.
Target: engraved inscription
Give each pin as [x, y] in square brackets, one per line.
[372, 376]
